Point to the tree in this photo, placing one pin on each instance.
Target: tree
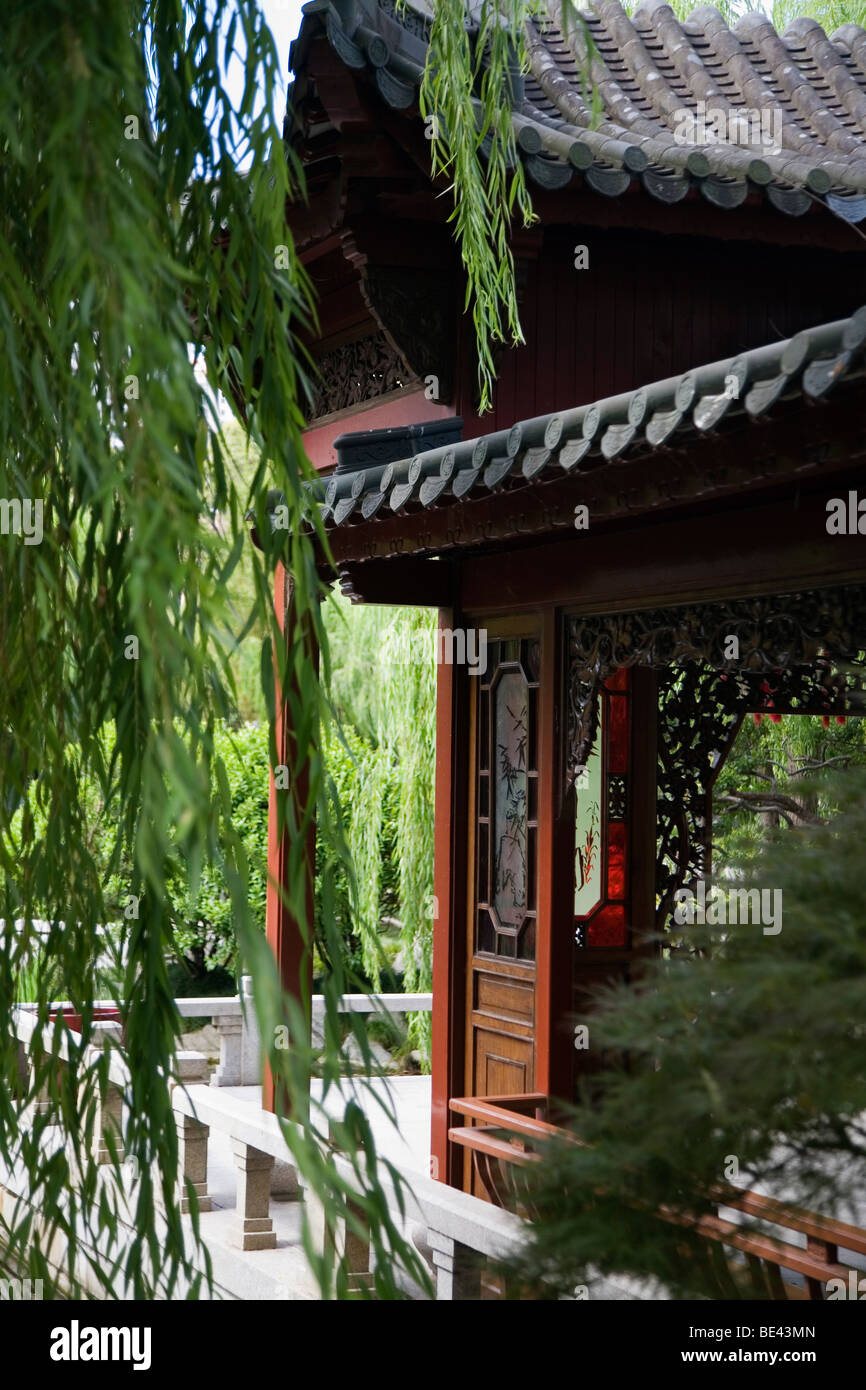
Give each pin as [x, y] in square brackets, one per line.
[773, 757]
[384, 684]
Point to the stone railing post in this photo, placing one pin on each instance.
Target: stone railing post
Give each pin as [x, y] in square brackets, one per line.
[43, 1104]
[192, 1136]
[253, 1228]
[21, 1068]
[356, 1250]
[458, 1269]
[109, 1118]
[350, 1244]
[192, 1139]
[229, 1072]
[251, 1043]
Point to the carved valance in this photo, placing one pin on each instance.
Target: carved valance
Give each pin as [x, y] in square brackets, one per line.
[357, 372]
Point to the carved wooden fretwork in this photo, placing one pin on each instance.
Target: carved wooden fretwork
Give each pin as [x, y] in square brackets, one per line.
[355, 373]
[700, 712]
[416, 304]
[796, 653]
[774, 635]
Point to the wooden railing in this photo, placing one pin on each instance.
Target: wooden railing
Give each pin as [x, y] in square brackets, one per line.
[503, 1135]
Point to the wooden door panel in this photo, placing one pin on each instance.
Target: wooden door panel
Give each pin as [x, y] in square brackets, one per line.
[503, 1064]
[503, 998]
[503, 925]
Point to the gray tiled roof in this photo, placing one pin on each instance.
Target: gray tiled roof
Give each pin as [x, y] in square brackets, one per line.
[661, 415]
[648, 70]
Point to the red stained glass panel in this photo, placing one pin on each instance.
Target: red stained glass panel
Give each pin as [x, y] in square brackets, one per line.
[607, 927]
[616, 857]
[618, 746]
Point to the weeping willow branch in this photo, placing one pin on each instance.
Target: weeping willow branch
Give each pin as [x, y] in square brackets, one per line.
[469, 90]
[389, 653]
[129, 235]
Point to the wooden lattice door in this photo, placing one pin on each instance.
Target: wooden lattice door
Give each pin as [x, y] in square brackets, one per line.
[503, 864]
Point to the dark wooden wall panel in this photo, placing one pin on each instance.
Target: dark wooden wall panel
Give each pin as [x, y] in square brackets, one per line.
[649, 306]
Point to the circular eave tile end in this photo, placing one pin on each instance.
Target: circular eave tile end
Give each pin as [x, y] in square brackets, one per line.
[580, 155]
[698, 164]
[635, 159]
[685, 392]
[553, 432]
[446, 467]
[529, 140]
[760, 172]
[591, 422]
[377, 52]
[637, 407]
[818, 181]
[796, 354]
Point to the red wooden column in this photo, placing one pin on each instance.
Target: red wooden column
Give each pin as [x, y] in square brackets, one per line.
[554, 941]
[449, 921]
[293, 954]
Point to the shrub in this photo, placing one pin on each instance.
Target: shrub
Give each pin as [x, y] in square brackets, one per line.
[750, 1051]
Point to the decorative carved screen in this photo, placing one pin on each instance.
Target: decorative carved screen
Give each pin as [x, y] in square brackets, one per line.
[716, 662]
[802, 652]
[357, 372]
[507, 800]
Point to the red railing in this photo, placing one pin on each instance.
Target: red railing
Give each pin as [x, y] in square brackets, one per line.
[502, 1134]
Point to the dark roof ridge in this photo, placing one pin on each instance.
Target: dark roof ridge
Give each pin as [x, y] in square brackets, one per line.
[788, 111]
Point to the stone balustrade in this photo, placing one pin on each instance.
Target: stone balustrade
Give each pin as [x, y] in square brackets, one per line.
[455, 1232]
[234, 1018]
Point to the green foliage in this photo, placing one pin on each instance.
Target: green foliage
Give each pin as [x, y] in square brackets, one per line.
[384, 680]
[751, 1050]
[467, 97]
[763, 780]
[356, 767]
[203, 928]
[370, 783]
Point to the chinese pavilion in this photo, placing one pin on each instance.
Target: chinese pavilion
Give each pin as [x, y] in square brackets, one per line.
[661, 526]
